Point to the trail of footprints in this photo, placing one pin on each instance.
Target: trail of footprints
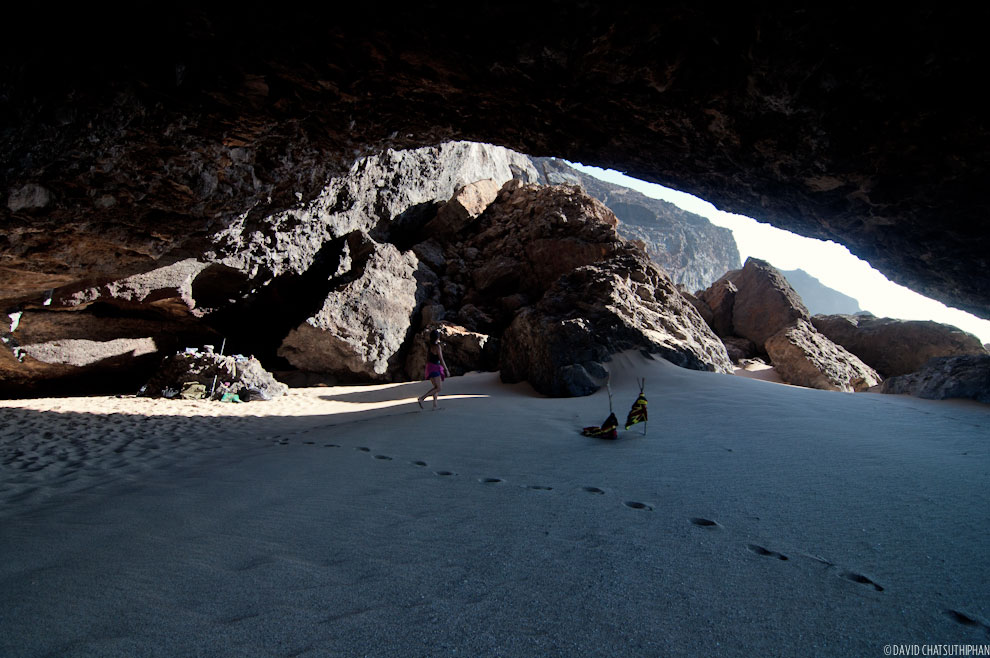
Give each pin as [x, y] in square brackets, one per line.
[708, 524]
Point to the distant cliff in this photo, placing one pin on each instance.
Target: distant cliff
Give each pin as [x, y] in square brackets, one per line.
[693, 251]
[819, 298]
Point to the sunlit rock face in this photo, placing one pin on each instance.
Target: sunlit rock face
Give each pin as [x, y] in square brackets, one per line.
[692, 250]
[145, 133]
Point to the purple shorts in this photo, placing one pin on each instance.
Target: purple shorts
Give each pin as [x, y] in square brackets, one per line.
[434, 370]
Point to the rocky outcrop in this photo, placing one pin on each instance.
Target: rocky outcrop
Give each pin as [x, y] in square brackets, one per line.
[692, 250]
[465, 206]
[463, 351]
[91, 350]
[896, 347]
[965, 376]
[764, 302]
[388, 196]
[264, 279]
[819, 298]
[561, 344]
[740, 349]
[755, 311]
[360, 329]
[720, 300]
[544, 268]
[804, 357]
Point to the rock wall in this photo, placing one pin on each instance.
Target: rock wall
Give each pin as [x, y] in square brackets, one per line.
[261, 280]
[344, 284]
[692, 250]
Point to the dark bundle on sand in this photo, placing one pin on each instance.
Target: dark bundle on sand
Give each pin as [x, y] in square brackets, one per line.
[217, 374]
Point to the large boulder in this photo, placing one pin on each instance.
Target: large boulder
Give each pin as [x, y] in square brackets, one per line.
[764, 302]
[720, 298]
[390, 195]
[804, 357]
[362, 325]
[561, 344]
[463, 350]
[966, 376]
[532, 234]
[896, 347]
[466, 205]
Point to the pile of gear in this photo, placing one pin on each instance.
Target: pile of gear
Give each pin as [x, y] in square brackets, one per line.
[202, 374]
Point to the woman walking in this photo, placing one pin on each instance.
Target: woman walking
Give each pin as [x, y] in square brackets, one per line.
[436, 369]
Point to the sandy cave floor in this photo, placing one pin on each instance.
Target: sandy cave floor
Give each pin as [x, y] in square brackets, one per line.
[752, 519]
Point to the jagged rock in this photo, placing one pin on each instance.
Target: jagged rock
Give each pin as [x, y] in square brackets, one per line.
[966, 376]
[466, 205]
[463, 351]
[624, 302]
[896, 347]
[53, 351]
[389, 196]
[739, 349]
[700, 306]
[28, 197]
[431, 314]
[242, 376]
[362, 325]
[764, 302]
[184, 288]
[688, 247]
[720, 298]
[533, 234]
[804, 357]
[431, 253]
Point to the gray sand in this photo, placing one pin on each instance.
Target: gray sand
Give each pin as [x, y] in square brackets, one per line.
[753, 519]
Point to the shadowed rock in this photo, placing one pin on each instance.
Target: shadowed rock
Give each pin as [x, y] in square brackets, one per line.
[896, 347]
[965, 376]
[561, 344]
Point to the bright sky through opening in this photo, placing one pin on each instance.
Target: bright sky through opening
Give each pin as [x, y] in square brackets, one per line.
[830, 263]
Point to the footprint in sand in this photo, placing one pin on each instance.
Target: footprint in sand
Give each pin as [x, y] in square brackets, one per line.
[594, 490]
[310, 443]
[966, 620]
[860, 579]
[443, 473]
[330, 445]
[418, 463]
[759, 550]
[489, 480]
[704, 523]
[634, 505]
[539, 487]
[363, 449]
[384, 457]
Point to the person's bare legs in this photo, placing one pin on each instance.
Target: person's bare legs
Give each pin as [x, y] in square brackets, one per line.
[436, 381]
[437, 385]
